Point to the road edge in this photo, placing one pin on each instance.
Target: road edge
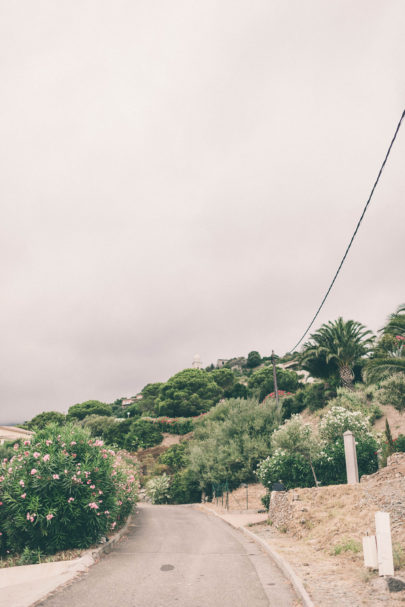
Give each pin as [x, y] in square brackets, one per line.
[280, 561]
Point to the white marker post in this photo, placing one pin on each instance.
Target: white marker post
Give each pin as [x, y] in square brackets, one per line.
[384, 543]
[351, 458]
[370, 551]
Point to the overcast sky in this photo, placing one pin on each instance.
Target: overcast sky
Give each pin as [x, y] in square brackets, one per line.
[183, 177]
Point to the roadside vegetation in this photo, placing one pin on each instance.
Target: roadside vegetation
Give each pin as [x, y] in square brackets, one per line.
[231, 429]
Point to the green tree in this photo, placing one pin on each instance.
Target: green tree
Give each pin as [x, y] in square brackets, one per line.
[188, 393]
[150, 394]
[297, 438]
[389, 354]
[43, 419]
[261, 382]
[225, 379]
[90, 407]
[340, 344]
[253, 360]
[231, 440]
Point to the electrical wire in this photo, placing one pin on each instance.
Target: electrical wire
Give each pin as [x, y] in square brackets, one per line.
[355, 231]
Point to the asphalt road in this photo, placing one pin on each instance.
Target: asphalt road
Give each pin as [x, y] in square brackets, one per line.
[175, 556]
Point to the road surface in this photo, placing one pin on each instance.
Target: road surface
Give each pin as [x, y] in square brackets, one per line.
[176, 556]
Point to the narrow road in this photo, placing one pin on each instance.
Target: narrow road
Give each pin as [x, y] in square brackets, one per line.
[175, 556]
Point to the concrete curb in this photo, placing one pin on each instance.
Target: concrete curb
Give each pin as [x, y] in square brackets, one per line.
[281, 563]
[284, 566]
[29, 585]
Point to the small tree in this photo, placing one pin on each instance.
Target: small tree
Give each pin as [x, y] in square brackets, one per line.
[253, 360]
[296, 437]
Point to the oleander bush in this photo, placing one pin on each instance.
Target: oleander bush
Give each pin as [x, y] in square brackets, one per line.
[62, 490]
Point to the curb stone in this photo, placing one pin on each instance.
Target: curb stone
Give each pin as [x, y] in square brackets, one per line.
[281, 563]
[284, 566]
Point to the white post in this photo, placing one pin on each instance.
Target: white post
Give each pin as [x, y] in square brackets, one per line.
[351, 458]
[370, 552]
[384, 543]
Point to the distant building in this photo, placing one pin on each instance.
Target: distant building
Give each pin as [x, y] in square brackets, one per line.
[197, 363]
[9, 433]
[221, 362]
[127, 401]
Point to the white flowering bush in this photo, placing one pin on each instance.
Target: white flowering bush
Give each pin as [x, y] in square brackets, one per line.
[157, 489]
[289, 467]
[338, 420]
[295, 449]
[62, 490]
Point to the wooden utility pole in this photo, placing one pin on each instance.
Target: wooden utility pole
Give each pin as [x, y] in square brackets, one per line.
[274, 376]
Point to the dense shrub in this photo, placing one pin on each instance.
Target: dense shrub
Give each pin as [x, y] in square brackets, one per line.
[261, 382]
[290, 468]
[231, 440]
[43, 419]
[399, 443]
[392, 391]
[331, 463]
[174, 458]
[338, 420]
[142, 434]
[177, 425]
[361, 399]
[184, 488]
[64, 490]
[157, 489]
[90, 407]
[188, 393]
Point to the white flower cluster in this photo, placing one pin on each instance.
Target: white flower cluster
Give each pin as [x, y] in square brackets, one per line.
[339, 419]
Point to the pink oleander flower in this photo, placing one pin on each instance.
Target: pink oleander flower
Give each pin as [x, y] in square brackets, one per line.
[36, 454]
[48, 442]
[34, 471]
[92, 486]
[113, 525]
[27, 442]
[10, 470]
[1, 479]
[15, 446]
[106, 512]
[1, 503]
[49, 517]
[73, 442]
[71, 499]
[23, 495]
[22, 483]
[26, 453]
[100, 492]
[73, 454]
[93, 506]
[55, 477]
[46, 457]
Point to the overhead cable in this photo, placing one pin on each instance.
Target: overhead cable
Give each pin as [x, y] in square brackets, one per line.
[354, 233]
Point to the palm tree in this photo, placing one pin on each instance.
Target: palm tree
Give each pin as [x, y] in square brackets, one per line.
[340, 344]
[389, 356]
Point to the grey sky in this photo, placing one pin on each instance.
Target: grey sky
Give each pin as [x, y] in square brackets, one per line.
[182, 177]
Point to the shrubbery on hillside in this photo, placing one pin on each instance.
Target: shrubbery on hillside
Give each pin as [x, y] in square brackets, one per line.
[63, 490]
[231, 440]
[291, 462]
[261, 382]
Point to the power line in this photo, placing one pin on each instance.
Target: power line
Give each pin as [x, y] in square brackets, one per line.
[355, 231]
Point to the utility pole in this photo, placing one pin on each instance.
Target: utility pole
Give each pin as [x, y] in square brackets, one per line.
[274, 376]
